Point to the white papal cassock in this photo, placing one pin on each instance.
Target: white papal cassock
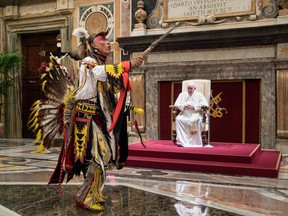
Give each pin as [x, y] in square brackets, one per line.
[189, 122]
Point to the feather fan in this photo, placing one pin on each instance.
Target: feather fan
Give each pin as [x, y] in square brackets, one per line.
[48, 117]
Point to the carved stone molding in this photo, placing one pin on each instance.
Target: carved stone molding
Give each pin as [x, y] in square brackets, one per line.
[140, 15]
[155, 16]
[271, 9]
[259, 35]
[201, 13]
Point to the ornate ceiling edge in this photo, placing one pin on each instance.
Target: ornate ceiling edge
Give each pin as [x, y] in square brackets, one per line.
[260, 35]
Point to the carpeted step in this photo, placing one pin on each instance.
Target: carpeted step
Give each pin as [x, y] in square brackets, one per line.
[265, 164]
[221, 152]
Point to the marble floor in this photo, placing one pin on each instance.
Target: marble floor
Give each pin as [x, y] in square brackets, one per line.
[134, 191]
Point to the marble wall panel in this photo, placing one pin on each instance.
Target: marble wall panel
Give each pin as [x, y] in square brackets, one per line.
[282, 50]
[282, 107]
[263, 69]
[125, 18]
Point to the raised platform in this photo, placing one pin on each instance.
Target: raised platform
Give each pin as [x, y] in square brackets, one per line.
[223, 158]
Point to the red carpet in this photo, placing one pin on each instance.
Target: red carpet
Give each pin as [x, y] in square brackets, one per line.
[224, 158]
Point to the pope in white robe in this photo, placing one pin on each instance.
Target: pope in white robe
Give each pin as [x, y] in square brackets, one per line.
[189, 121]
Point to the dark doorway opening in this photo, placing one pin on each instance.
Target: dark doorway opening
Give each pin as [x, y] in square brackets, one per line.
[32, 45]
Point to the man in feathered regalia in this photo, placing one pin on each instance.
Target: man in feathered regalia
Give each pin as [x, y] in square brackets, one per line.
[88, 114]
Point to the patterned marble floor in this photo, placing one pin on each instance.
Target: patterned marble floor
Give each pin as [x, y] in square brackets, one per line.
[134, 191]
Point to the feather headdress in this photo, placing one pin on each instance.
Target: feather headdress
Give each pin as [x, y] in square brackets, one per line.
[81, 32]
[83, 48]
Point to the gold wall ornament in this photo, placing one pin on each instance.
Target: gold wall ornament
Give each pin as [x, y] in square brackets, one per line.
[215, 110]
[98, 18]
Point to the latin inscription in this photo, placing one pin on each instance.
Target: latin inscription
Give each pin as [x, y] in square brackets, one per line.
[37, 9]
[181, 9]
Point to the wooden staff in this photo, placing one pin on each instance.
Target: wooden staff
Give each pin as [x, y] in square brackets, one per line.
[156, 42]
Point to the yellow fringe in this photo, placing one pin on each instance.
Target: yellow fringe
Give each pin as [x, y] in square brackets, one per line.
[47, 69]
[35, 105]
[51, 76]
[69, 94]
[35, 128]
[43, 85]
[50, 63]
[38, 136]
[32, 119]
[34, 112]
[33, 124]
[43, 75]
[138, 110]
[40, 149]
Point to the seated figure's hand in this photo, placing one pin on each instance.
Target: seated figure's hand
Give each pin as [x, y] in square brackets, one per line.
[137, 61]
[189, 106]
